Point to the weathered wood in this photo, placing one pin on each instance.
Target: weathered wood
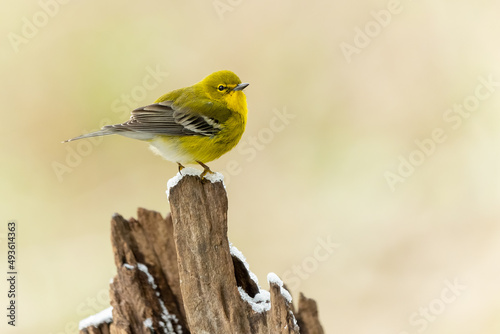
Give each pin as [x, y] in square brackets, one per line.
[307, 316]
[206, 271]
[144, 287]
[180, 275]
[103, 328]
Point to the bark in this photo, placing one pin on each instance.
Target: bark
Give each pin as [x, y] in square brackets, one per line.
[179, 274]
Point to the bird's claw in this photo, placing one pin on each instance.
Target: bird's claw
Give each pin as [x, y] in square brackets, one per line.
[181, 167]
[206, 170]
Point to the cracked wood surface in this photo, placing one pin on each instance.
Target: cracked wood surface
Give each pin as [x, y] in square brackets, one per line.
[177, 275]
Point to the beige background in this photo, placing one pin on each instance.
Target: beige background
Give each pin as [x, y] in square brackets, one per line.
[292, 185]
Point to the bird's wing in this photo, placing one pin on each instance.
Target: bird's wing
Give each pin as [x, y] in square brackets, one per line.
[165, 119]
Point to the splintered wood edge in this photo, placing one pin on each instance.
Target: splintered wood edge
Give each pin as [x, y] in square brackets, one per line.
[199, 215]
[308, 316]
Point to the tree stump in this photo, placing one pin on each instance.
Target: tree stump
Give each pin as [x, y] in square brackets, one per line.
[180, 274]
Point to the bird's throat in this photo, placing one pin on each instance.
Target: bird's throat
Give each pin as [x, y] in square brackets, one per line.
[237, 102]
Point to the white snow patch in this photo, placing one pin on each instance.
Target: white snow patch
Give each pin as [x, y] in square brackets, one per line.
[148, 323]
[168, 319]
[145, 270]
[168, 327]
[185, 171]
[260, 303]
[215, 177]
[273, 278]
[236, 252]
[294, 320]
[128, 266]
[105, 316]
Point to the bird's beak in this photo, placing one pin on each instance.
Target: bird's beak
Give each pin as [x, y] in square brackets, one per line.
[241, 86]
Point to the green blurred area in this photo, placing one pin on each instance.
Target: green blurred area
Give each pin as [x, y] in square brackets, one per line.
[320, 173]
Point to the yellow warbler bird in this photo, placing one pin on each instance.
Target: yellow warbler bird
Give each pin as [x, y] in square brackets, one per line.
[196, 124]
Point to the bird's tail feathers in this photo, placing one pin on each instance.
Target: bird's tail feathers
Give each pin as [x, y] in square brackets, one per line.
[102, 132]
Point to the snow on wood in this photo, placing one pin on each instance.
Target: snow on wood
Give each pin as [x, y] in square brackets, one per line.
[180, 274]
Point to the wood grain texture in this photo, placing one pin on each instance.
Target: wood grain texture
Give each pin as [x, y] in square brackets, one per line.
[208, 284]
[177, 275]
[139, 247]
[103, 328]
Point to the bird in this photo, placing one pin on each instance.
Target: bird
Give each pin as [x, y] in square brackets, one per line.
[195, 124]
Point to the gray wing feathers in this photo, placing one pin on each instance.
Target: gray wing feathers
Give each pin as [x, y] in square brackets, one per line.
[163, 119]
[160, 119]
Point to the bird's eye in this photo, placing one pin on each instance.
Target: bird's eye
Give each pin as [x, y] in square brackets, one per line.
[221, 88]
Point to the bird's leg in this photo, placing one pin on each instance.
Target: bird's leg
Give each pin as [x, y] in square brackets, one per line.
[181, 167]
[206, 170]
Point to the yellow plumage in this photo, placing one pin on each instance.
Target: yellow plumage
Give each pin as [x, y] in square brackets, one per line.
[196, 124]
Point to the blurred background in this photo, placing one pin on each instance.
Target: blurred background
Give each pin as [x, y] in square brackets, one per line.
[367, 178]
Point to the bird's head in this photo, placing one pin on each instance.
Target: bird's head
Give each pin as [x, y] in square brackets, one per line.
[226, 87]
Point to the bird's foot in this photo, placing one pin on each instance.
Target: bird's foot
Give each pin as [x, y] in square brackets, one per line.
[206, 170]
[181, 167]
